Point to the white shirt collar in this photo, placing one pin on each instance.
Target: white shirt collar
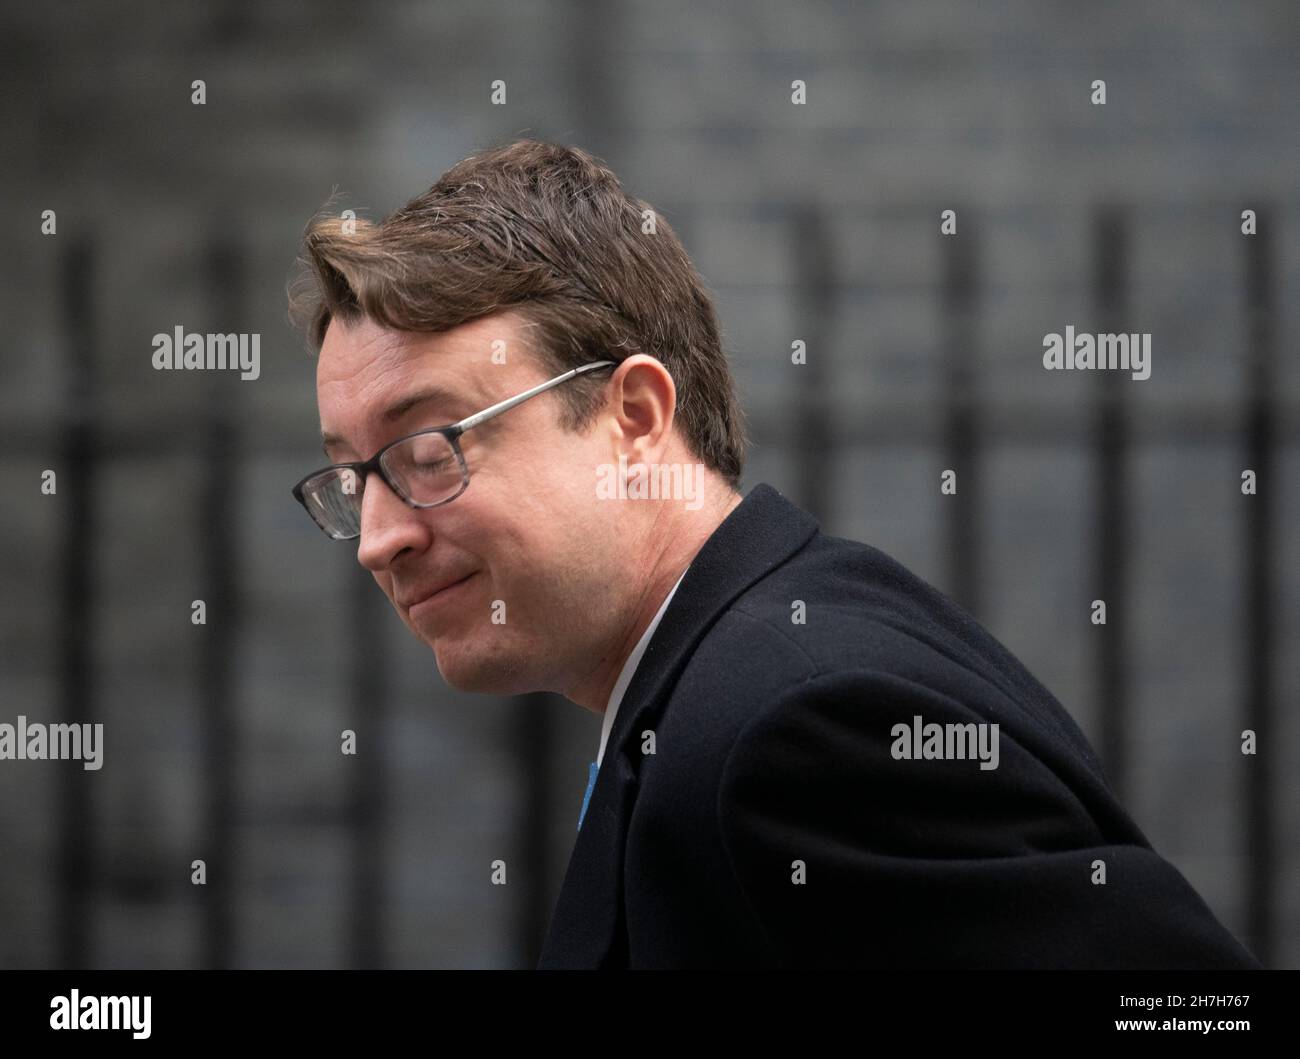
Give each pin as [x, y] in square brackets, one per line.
[629, 668]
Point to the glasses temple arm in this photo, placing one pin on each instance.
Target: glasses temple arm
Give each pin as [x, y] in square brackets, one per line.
[510, 402]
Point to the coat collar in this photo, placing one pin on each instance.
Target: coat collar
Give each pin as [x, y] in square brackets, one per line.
[765, 529]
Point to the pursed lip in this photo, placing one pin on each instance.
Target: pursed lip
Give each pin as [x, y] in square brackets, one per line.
[419, 598]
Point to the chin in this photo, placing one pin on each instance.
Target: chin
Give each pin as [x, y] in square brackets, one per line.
[465, 670]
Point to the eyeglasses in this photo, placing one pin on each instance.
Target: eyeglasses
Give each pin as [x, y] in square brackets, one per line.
[425, 469]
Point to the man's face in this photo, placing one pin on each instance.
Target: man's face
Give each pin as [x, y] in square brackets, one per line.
[529, 536]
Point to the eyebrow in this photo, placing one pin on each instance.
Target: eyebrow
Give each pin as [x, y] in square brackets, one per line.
[396, 411]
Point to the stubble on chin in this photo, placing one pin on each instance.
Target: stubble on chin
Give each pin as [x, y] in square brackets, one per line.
[471, 670]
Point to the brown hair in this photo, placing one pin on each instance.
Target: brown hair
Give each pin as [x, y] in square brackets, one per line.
[549, 229]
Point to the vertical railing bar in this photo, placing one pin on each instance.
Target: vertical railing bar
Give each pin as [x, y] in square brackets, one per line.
[534, 731]
[960, 434]
[815, 308]
[219, 519]
[1111, 444]
[77, 481]
[1261, 862]
[368, 768]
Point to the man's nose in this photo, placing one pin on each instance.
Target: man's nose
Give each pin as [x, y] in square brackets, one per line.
[389, 526]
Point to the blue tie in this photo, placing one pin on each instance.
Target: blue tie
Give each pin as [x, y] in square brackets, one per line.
[592, 769]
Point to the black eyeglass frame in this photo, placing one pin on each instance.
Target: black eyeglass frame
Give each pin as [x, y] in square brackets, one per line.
[452, 432]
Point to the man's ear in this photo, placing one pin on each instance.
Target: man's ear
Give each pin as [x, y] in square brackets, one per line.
[643, 399]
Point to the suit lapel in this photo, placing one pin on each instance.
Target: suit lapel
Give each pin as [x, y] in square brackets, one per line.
[587, 928]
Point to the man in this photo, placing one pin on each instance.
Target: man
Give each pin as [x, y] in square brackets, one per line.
[809, 757]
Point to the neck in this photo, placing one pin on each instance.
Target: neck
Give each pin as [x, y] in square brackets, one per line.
[684, 534]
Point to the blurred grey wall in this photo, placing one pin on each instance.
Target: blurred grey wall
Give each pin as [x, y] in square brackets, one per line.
[816, 223]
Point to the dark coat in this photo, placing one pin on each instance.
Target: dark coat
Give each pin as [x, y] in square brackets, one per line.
[774, 826]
